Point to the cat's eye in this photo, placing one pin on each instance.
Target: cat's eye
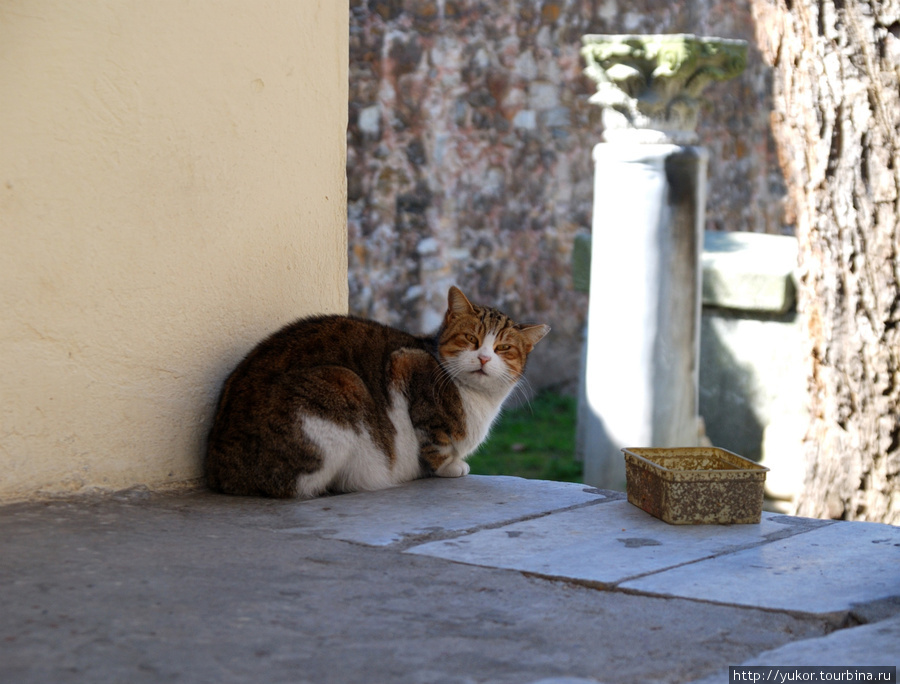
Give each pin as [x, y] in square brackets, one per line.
[502, 348]
[472, 339]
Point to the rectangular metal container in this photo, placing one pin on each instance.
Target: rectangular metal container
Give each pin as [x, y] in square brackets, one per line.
[695, 485]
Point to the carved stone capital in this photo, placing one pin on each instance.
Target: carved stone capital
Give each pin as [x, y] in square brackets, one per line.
[649, 86]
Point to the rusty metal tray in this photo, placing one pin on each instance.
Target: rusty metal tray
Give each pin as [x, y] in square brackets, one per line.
[695, 485]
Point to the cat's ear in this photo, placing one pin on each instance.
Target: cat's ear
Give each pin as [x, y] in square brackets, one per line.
[457, 303]
[533, 333]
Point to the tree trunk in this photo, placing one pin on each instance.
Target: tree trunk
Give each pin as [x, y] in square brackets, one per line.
[837, 125]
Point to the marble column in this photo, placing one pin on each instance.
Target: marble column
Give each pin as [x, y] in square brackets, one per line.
[643, 341]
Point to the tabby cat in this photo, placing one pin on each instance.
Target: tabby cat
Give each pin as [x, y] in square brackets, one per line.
[340, 404]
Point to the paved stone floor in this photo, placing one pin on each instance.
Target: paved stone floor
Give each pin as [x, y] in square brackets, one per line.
[481, 579]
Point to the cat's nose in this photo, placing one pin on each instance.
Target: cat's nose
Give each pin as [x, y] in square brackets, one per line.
[484, 358]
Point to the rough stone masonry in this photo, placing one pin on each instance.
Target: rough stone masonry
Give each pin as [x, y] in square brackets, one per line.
[469, 154]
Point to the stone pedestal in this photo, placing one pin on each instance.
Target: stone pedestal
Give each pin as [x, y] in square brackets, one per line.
[642, 360]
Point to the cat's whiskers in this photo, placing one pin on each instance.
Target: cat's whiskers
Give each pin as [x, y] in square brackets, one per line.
[523, 389]
[441, 379]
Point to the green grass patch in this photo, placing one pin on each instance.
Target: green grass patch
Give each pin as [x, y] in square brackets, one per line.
[535, 441]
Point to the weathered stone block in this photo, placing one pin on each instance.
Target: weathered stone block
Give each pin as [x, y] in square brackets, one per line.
[749, 271]
[752, 372]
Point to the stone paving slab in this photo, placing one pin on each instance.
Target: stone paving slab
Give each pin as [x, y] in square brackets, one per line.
[876, 644]
[607, 544]
[204, 588]
[829, 569]
[749, 271]
[434, 506]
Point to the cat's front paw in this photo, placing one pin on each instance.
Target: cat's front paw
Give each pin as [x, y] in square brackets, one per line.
[453, 469]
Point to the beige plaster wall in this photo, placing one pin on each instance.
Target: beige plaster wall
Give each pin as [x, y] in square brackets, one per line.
[172, 188]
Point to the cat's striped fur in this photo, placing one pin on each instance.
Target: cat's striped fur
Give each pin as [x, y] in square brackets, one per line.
[337, 403]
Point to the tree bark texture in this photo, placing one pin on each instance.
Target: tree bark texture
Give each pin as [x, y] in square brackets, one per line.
[836, 121]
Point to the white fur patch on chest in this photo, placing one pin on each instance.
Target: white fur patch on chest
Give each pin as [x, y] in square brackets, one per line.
[481, 412]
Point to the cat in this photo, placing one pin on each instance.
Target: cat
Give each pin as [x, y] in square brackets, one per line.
[335, 404]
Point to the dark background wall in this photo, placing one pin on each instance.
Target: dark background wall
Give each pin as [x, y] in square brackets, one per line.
[469, 154]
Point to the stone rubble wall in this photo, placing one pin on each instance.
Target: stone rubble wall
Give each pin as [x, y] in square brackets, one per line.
[469, 155]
